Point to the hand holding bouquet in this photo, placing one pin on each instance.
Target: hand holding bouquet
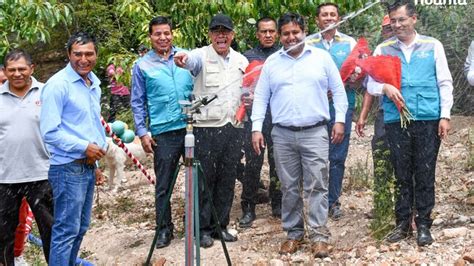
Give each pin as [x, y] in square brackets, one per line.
[387, 69]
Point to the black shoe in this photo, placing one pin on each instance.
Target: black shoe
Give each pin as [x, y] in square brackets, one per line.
[400, 232]
[225, 235]
[276, 210]
[164, 239]
[206, 241]
[335, 213]
[262, 196]
[423, 237]
[247, 219]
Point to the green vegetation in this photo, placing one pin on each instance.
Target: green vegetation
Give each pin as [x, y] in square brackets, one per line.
[30, 21]
[384, 193]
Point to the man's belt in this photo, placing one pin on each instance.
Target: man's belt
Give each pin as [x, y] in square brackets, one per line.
[82, 161]
[293, 128]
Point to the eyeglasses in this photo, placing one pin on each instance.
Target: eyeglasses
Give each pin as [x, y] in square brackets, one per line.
[222, 31]
[400, 20]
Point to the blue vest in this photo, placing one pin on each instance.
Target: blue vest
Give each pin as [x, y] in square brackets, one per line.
[339, 51]
[419, 85]
[165, 85]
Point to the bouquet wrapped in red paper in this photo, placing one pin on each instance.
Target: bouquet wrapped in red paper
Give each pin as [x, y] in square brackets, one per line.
[252, 73]
[387, 69]
[349, 69]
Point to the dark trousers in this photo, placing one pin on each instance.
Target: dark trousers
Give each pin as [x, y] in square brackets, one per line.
[40, 198]
[414, 151]
[253, 166]
[118, 103]
[169, 148]
[218, 149]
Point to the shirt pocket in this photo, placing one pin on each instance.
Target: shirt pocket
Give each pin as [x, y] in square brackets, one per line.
[159, 110]
[427, 104]
[212, 78]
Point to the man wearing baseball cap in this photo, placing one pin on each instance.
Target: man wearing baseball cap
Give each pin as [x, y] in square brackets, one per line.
[218, 70]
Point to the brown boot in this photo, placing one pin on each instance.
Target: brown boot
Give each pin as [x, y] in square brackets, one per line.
[320, 249]
[290, 246]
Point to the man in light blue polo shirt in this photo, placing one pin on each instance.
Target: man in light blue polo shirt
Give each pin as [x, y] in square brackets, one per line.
[71, 128]
[24, 160]
[295, 81]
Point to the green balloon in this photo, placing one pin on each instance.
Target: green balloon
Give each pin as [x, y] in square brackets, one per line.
[118, 127]
[127, 136]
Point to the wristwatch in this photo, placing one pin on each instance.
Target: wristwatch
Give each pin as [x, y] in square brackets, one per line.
[445, 118]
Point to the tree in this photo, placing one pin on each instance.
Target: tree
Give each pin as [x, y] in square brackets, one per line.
[30, 21]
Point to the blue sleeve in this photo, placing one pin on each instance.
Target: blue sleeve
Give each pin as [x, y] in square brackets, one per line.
[138, 101]
[53, 99]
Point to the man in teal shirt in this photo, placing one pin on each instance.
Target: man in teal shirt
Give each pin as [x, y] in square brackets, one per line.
[158, 86]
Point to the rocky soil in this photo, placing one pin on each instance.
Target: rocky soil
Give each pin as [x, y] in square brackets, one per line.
[123, 223]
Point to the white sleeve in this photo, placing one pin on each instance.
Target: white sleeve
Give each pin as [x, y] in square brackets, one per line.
[261, 99]
[194, 62]
[374, 87]
[444, 80]
[469, 65]
[337, 89]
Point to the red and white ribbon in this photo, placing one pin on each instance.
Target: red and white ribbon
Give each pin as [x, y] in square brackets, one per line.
[125, 149]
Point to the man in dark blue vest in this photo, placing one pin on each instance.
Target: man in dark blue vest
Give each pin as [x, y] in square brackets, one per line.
[339, 46]
[426, 90]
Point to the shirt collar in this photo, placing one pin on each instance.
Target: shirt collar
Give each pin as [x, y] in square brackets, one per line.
[306, 49]
[272, 48]
[73, 76]
[337, 34]
[34, 85]
[172, 52]
[415, 41]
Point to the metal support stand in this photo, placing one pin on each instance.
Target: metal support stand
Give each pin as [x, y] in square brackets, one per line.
[193, 172]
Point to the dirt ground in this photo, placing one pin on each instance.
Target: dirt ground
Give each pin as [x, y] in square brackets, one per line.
[123, 223]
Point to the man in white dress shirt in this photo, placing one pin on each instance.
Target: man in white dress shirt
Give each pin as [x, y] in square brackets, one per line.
[295, 81]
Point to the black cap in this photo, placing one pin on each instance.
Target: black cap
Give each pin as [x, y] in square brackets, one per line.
[221, 20]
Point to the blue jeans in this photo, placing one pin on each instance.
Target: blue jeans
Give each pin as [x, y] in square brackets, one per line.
[337, 157]
[73, 191]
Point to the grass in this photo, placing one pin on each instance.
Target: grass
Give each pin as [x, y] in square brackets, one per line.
[359, 176]
[33, 254]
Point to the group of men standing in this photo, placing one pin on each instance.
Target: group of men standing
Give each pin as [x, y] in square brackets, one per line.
[301, 111]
